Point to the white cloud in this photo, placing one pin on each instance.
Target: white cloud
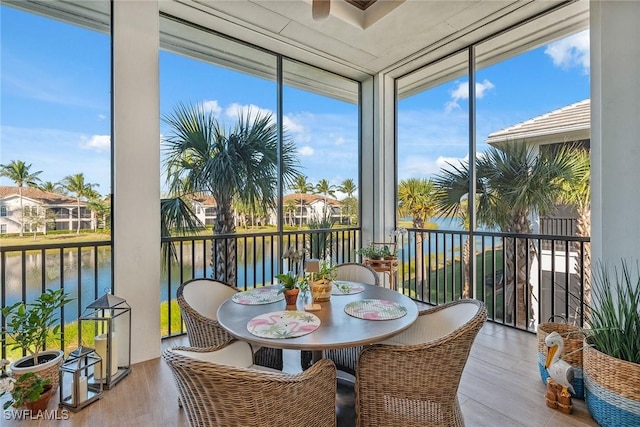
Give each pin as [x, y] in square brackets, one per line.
[212, 106]
[339, 140]
[425, 166]
[96, 142]
[291, 123]
[572, 51]
[101, 117]
[306, 151]
[462, 92]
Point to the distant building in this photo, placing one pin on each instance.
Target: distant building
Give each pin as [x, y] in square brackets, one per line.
[299, 209]
[205, 208]
[570, 124]
[56, 211]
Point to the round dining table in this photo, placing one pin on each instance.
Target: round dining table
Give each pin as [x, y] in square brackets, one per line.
[337, 328]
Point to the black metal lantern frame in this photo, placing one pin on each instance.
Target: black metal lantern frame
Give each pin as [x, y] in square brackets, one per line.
[77, 386]
[112, 318]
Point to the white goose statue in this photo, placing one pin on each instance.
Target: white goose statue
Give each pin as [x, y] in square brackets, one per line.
[559, 370]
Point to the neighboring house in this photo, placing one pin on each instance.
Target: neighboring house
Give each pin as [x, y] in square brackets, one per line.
[41, 211]
[570, 124]
[205, 208]
[310, 207]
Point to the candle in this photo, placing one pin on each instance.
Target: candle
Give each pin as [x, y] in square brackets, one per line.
[101, 349]
[82, 393]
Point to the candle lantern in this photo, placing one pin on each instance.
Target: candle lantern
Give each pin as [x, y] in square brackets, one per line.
[112, 318]
[78, 387]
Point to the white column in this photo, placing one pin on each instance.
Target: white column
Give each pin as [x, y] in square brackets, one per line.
[378, 158]
[615, 130]
[136, 165]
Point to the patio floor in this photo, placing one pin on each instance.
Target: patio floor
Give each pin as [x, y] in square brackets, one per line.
[500, 386]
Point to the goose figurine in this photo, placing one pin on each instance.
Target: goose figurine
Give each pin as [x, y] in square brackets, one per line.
[558, 369]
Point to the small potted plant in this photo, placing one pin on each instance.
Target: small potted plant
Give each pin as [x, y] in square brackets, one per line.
[29, 326]
[371, 252]
[322, 285]
[289, 288]
[29, 390]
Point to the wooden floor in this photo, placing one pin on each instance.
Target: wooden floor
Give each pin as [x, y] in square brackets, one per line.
[500, 386]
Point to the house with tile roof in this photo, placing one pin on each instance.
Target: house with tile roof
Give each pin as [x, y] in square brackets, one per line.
[41, 211]
[309, 207]
[549, 131]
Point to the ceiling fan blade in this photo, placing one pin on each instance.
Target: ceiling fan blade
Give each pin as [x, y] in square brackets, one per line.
[320, 9]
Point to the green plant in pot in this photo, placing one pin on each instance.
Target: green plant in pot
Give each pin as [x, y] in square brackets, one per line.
[28, 325]
[322, 284]
[611, 357]
[29, 390]
[372, 252]
[288, 287]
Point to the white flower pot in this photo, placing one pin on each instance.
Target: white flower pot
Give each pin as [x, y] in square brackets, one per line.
[48, 369]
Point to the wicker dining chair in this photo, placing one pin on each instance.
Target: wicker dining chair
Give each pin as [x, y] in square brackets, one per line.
[412, 379]
[220, 387]
[345, 358]
[199, 300]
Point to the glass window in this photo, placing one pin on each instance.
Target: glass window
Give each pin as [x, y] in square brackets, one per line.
[321, 119]
[3, 211]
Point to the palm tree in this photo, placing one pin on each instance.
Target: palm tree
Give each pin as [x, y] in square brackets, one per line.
[512, 183]
[19, 172]
[577, 193]
[323, 187]
[75, 184]
[50, 187]
[290, 209]
[302, 186]
[202, 157]
[348, 187]
[416, 198]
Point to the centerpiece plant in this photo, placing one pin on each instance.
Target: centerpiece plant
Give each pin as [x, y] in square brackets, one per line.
[30, 390]
[322, 284]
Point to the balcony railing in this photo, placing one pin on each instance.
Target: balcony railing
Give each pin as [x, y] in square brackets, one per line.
[545, 280]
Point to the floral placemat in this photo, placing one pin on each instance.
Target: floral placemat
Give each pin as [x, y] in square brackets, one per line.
[258, 296]
[375, 309]
[283, 324]
[341, 287]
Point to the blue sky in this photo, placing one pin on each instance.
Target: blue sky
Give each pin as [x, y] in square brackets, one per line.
[55, 113]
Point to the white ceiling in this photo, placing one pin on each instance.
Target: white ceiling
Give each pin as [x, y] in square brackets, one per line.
[390, 36]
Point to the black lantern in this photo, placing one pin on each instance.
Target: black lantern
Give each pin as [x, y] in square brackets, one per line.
[112, 318]
[78, 387]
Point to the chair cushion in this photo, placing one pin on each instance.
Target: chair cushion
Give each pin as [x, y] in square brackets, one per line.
[205, 296]
[432, 326]
[238, 354]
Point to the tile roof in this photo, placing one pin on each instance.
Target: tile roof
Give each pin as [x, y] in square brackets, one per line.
[39, 195]
[569, 123]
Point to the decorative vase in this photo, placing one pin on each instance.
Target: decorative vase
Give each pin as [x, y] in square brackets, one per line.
[291, 296]
[321, 290]
[42, 403]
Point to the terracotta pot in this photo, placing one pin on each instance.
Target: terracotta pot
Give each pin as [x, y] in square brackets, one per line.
[42, 403]
[291, 296]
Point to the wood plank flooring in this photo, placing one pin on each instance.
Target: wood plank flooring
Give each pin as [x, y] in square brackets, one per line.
[500, 386]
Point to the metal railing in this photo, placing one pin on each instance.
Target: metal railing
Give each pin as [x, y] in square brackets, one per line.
[524, 279]
[544, 280]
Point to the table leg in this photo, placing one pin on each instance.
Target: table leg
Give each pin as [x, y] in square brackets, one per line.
[316, 355]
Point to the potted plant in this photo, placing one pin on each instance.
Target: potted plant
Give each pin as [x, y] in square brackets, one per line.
[322, 285]
[611, 356]
[29, 325]
[29, 390]
[288, 288]
[372, 252]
